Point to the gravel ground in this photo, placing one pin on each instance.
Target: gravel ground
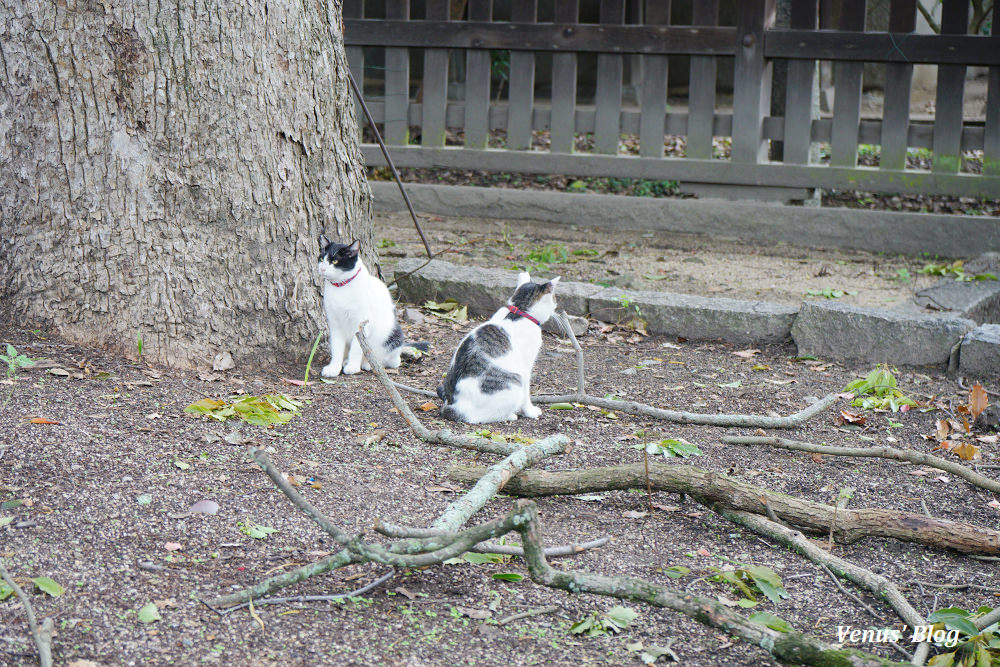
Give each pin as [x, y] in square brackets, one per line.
[105, 496]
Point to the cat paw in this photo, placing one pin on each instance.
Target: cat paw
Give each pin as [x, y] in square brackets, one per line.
[512, 417]
[350, 369]
[531, 412]
[365, 366]
[330, 371]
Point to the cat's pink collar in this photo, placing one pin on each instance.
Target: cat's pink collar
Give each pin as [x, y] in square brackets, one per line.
[346, 281]
[517, 311]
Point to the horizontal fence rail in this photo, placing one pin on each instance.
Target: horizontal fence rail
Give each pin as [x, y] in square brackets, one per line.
[469, 86]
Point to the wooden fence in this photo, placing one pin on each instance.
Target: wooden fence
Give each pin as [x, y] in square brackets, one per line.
[542, 136]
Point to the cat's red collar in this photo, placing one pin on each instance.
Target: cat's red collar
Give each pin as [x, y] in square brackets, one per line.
[346, 281]
[517, 311]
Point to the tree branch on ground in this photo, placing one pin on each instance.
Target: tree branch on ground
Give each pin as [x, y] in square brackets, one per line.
[711, 488]
[40, 634]
[905, 455]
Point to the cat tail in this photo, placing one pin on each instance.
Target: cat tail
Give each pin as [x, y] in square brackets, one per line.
[440, 393]
[451, 414]
[422, 345]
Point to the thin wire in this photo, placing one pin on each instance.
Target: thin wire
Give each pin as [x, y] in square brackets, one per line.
[392, 166]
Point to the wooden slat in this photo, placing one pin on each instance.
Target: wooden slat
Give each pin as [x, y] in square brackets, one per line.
[701, 95]
[898, 81]
[847, 93]
[950, 94]
[435, 83]
[991, 132]
[799, 94]
[522, 82]
[752, 81]
[692, 171]
[397, 81]
[654, 87]
[563, 132]
[609, 85]
[881, 47]
[356, 61]
[477, 83]
[544, 37]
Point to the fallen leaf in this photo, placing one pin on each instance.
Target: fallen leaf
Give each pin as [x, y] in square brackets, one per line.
[60, 372]
[173, 546]
[478, 614]
[405, 593]
[204, 507]
[943, 429]
[371, 438]
[919, 473]
[995, 504]
[665, 508]
[153, 415]
[437, 488]
[852, 418]
[747, 354]
[977, 400]
[942, 478]
[966, 451]
[817, 458]
[987, 439]
[726, 601]
[703, 552]
[631, 514]
[41, 420]
[428, 406]
[297, 383]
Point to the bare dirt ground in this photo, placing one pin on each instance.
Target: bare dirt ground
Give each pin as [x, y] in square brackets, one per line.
[104, 498]
[659, 261]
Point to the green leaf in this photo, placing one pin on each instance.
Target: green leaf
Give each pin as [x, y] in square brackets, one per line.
[479, 559]
[621, 616]
[561, 406]
[955, 621]
[676, 571]
[149, 613]
[11, 504]
[181, 464]
[5, 592]
[508, 576]
[746, 603]
[582, 626]
[48, 585]
[4, 520]
[144, 499]
[254, 530]
[771, 621]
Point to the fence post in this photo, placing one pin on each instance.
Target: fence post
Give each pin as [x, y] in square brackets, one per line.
[991, 133]
[948, 102]
[397, 81]
[752, 81]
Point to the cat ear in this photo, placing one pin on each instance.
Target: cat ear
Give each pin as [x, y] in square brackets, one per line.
[354, 248]
[551, 285]
[323, 241]
[523, 278]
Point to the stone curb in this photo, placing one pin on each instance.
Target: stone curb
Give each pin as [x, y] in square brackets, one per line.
[875, 231]
[980, 355]
[827, 330]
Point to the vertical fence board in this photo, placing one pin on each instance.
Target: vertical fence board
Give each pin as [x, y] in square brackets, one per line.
[950, 93]
[752, 80]
[898, 81]
[701, 90]
[353, 9]
[563, 120]
[607, 122]
[654, 87]
[799, 95]
[521, 96]
[397, 81]
[847, 94]
[435, 83]
[477, 83]
[991, 132]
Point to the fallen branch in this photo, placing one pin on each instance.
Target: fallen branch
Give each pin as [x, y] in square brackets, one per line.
[905, 455]
[528, 614]
[789, 647]
[710, 488]
[257, 602]
[392, 530]
[867, 579]
[495, 478]
[40, 634]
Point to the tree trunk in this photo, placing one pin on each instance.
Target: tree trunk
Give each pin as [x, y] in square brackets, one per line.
[166, 170]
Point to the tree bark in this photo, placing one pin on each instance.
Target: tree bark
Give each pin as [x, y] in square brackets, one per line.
[167, 169]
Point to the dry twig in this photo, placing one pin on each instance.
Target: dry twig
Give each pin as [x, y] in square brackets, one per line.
[40, 634]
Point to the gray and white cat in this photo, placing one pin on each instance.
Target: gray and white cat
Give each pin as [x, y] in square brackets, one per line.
[351, 296]
[489, 379]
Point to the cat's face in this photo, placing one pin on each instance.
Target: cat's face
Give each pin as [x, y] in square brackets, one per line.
[338, 261]
[537, 299]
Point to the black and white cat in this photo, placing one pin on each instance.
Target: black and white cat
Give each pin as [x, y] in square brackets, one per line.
[489, 378]
[351, 295]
